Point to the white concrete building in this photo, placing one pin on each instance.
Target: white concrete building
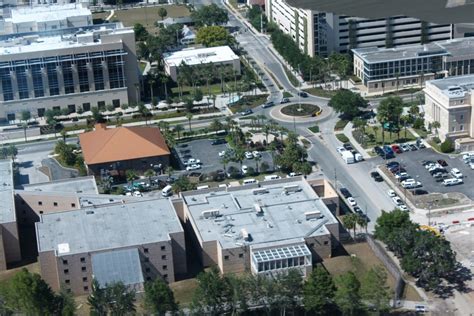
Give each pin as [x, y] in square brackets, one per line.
[321, 33]
[88, 67]
[221, 55]
[450, 102]
[44, 18]
[388, 69]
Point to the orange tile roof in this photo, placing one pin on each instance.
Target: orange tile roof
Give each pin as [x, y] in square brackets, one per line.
[122, 143]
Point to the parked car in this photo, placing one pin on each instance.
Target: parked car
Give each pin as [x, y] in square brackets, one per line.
[248, 155]
[348, 146]
[397, 200]
[244, 169]
[456, 173]
[443, 163]
[284, 100]
[295, 174]
[246, 112]
[405, 147]
[193, 167]
[398, 175]
[352, 201]
[392, 163]
[413, 147]
[442, 178]
[358, 210]
[218, 141]
[256, 154]
[452, 181]
[345, 193]
[222, 153]
[391, 193]
[397, 149]
[403, 207]
[268, 104]
[192, 161]
[376, 176]
[340, 150]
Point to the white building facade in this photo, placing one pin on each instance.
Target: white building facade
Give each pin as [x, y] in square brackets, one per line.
[322, 33]
[66, 69]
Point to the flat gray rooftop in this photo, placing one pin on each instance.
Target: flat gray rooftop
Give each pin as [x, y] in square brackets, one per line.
[283, 216]
[456, 86]
[7, 200]
[85, 185]
[437, 11]
[107, 227]
[453, 48]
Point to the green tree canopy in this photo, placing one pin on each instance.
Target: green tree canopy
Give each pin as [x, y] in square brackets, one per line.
[210, 15]
[183, 184]
[318, 292]
[159, 298]
[162, 13]
[347, 295]
[347, 103]
[141, 33]
[375, 291]
[212, 293]
[213, 35]
[115, 299]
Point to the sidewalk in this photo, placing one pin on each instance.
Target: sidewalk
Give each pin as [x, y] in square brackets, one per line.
[348, 132]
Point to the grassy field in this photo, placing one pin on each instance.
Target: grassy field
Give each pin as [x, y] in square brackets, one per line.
[148, 16]
[362, 260]
[389, 139]
[291, 77]
[342, 138]
[321, 92]
[340, 125]
[314, 129]
[249, 102]
[183, 291]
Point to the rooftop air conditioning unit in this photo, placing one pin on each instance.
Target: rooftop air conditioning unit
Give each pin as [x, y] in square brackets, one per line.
[312, 215]
[245, 234]
[259, 191]
[210, 213]
[258, 208]
[291, 188]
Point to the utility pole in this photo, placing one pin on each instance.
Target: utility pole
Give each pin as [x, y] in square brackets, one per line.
[335, 179]
[261, 23]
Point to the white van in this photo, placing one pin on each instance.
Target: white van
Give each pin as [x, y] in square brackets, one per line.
[167, 191]
[453, 181]
[249, 181]
[202, 187]
[272, 177]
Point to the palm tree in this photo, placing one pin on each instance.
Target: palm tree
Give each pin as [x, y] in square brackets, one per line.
[213, 97]
[239, 156]
[178, 129]
[361, 221]
[257, 160]
[130, 175]
[149, 173]
[169, 171]
[98, 299]
[215, 125]
[350, 221]
[151, 82]
[189, 116]
[225, 160]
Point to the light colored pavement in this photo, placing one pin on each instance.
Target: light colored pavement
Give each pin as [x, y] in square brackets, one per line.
[348, 132]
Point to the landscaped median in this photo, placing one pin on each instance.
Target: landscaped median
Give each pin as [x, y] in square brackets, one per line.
[374, 136]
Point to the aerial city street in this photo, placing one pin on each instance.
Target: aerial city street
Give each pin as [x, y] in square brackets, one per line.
[237, 157]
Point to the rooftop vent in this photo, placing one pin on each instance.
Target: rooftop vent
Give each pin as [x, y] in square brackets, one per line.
[210, 213]
[291, 188]
[312, 215]
[245, 235]
[89, 212]
[258, 209]
[259, 191]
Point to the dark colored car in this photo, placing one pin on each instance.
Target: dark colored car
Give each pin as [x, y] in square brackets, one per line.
[376, 176]
[378, 150]
[427, 162]
[397, 149]
[358, 210]
[348, 146]
[303, 94]
[218, 141]
[413, 147]
[392, 164]
[443, 163]
[419, 192]
[345, 193]
[438, 170]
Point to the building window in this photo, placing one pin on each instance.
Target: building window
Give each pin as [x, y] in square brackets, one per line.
[147, 269]
[163, 257]
[71, 108]
[376, 85]
[65, 262]
[165, 267]
[41, 112]
[41, 212]
[148, 278]
[55, 203]
[66, 271]
[84, 269]
[86, 288]
[101, 105]
[241, 255]
[86, 107]
[67, 281]
[145, 250]
[461, 127]
[461, 117]
[163, 248]
[83, 259]
[73, 204]
[40, 203]
[165, 276]
[116, 103]
[453, 129]
[146, 259]
[226, 257]
[84, 279]
[326, 242]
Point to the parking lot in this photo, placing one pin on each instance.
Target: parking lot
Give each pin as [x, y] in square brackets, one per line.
[208, 154]
[412, 162]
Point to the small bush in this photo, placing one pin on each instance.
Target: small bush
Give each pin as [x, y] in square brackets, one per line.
[447, 146]
[343, 138]
[436, 140]
[314, 129]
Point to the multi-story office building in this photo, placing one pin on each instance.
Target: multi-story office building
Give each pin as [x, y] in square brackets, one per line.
[45, 18]
[9, 238]
[83, 67]
[127, 241]
[265, 229]
[321, 33]
[383, 70]
[450, 102]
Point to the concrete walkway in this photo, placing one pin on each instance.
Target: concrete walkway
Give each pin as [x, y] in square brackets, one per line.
[348, 132]
[112, 12]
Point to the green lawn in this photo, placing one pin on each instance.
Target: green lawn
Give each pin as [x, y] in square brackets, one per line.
[389, 138]
[291, 77]
[422, 132]
[286, 94]
[249, 102]
[147, 16]
[342, 138]
[340, 125]
[321, 92]
[314, 129]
